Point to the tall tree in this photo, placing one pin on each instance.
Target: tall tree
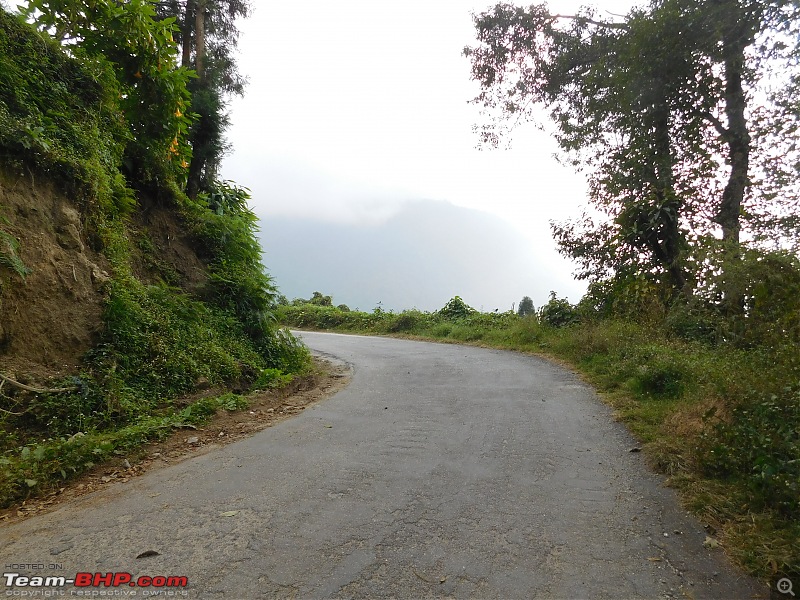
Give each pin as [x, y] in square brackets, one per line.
[526, 307]
[649, 103]
[208, 38]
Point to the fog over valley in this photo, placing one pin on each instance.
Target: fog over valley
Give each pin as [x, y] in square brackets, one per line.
[419, 257]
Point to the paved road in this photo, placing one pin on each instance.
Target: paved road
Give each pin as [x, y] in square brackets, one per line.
[441, 471]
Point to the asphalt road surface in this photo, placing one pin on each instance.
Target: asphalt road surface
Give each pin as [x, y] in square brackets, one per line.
[440, 471]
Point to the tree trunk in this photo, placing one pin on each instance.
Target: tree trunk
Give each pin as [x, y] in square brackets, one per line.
[198, 163]
[673, 242]
[200, 39]
[737, 35]
[738, 141]
[187, 34]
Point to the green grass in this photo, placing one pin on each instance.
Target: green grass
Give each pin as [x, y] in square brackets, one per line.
[41, 465]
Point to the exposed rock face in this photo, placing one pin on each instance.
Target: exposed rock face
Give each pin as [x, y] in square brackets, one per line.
[52, 317]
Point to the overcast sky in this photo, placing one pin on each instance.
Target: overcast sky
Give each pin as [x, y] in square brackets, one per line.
[356, 107]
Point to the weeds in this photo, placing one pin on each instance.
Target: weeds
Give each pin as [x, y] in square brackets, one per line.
[39, 466]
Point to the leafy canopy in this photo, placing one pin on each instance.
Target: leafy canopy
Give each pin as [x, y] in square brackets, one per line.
[662, 108]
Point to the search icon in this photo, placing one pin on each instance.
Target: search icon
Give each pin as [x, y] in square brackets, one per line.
[784, 586]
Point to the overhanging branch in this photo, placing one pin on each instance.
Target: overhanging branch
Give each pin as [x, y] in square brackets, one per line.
[591, 21]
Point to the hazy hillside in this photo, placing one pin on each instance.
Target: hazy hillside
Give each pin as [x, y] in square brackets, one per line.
[427, 253]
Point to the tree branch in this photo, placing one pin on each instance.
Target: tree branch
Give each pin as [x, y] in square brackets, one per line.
[28, 388]
[721, 129]
[591, 21]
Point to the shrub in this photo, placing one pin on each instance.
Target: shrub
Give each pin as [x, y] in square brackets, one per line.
[456, 309]
[760, 445]
[558, 312]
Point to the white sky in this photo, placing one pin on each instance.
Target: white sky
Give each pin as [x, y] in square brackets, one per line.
[356, 106]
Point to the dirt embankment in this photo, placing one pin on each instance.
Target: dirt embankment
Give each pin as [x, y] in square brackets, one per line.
[53, 316]
[48, 320]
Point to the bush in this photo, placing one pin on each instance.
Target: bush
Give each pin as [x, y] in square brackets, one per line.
[558, 312]
[456, 309]
[695, 320]
[760, 445]
[409, 320]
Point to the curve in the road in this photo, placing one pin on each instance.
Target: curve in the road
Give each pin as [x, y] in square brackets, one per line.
[441, 471]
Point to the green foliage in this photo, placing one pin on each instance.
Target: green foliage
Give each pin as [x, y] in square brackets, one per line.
[159, 342]
[456, 309]
[320, 300]
[406, 321]
[272, 378]
[206, 138]
[225, 229]
[41, 465]
[61, 116]
[658, 373]
[140, 49]
[558, 312]
[760, 446]
[9, 254]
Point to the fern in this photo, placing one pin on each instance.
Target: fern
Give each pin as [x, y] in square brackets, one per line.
[9, 258]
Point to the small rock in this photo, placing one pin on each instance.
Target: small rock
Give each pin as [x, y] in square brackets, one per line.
[105, 479]
[99, 276]
[710, 543]
[127, 464]
[192, 440]
[221, 434]
[666, 534]
[270, 410]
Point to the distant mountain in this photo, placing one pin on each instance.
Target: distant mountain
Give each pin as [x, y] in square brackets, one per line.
[419, 258]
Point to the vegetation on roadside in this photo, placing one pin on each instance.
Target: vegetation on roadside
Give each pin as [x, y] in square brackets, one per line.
[684, 117]
[716, 406]
[93, 99]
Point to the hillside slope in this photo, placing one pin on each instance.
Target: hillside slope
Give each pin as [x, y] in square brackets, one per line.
[116, 289]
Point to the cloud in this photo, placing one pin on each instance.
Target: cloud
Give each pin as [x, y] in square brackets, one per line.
[422, 256]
